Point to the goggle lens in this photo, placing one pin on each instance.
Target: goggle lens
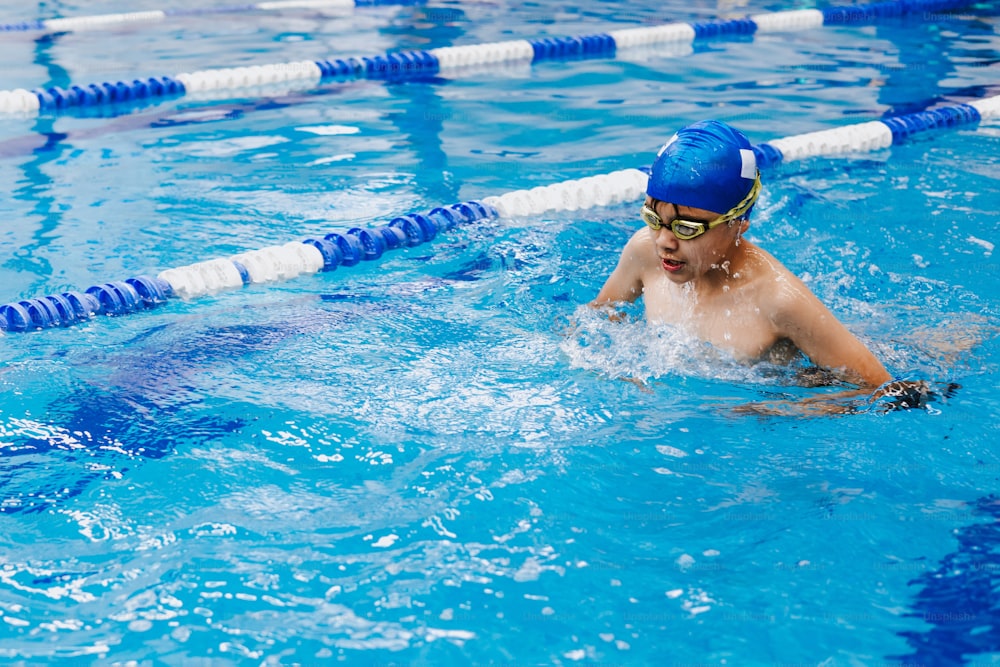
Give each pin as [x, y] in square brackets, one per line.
[682, 229]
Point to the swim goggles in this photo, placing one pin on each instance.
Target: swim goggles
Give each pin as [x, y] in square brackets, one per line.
[689, 229]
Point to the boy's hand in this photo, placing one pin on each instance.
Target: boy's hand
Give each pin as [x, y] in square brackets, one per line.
[907, 394]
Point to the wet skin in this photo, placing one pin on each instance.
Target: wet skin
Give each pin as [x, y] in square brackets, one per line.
[728, 291]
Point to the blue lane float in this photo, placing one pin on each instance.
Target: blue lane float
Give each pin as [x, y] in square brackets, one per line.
[357, 245]
[60, 310]
[450, 60]
[874, 135]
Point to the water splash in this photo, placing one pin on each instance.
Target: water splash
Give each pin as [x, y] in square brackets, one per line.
[643, 351]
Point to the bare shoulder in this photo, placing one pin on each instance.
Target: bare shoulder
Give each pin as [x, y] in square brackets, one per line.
[639, 253]
[641, 243]
[798, 315]
[630, 275]
[781, 291]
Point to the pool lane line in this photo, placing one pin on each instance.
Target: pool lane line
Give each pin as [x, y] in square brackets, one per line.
[357, 244]
[99, 21]
[840, 141]
[412, 65]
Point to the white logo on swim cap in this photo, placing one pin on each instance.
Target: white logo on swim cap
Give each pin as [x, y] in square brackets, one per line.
[664, 146]
[749, 168]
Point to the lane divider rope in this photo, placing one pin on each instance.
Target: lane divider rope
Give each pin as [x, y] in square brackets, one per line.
[357, 244]
[449, 60]
[98, 21]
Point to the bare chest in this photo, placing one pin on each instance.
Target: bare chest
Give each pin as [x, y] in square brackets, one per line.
[731, 321]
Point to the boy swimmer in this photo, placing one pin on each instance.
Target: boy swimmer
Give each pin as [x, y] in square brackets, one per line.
[693, 268]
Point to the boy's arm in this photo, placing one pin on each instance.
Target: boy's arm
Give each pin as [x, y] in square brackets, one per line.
[802, 318]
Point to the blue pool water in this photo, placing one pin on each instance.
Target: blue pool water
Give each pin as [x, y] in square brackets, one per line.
[436, 458]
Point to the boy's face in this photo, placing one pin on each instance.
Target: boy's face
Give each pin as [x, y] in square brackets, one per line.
[684, 260]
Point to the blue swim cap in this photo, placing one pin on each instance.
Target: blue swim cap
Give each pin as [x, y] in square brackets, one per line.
[707, 165]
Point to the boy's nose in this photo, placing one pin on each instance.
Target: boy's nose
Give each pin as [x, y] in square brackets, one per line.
[665, 238]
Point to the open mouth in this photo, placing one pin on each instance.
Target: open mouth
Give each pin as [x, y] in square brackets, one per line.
[672, 265]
